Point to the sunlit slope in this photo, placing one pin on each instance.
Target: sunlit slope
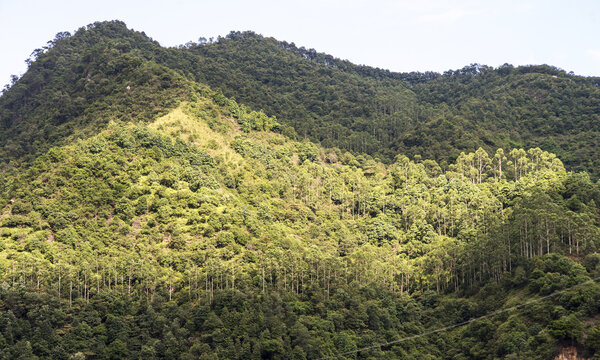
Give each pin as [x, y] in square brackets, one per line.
[204, 231]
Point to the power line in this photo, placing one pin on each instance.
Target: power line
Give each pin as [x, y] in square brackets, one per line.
[412, 337]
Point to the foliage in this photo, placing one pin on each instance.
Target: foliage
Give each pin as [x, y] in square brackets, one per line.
[141, 214]
[181, 223]
[436, 116]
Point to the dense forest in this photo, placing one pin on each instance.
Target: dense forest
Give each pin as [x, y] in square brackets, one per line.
[167, 203]
[436, 116]
[334, 102]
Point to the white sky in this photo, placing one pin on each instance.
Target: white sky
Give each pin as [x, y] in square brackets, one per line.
[399, 35]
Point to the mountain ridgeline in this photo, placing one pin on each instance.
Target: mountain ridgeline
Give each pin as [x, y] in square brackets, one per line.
[166, 203]
[381, 113]
[314, 95]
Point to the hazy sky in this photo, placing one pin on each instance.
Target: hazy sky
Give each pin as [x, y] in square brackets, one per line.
[399, 35]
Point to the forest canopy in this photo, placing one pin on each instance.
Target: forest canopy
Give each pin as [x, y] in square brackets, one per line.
[168, 203]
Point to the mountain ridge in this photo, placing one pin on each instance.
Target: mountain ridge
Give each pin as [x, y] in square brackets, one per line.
[374, 111]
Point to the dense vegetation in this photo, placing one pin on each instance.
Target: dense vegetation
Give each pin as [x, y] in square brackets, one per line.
[241, 325]
[174, 217]
[179, 223]
[334, 102]
[75, 85]
[436, 116]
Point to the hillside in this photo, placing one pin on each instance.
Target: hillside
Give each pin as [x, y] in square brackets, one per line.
[334, 102]
[313, 251]
[179, 223]
[76, 84]
[433, 115]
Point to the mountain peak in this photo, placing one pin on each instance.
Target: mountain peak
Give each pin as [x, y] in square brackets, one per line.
[326, 99]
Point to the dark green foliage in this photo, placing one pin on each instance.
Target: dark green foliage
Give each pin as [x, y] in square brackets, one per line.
[242, 325]
[437, 116]
[209, 234]
[77, 84]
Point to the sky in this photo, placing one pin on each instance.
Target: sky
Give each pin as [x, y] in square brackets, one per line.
[399, 35]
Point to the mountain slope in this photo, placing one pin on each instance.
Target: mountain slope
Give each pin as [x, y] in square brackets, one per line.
[255, 246]
[433, 115]
[179, 223]
[334, 102]
[528, 106]
[77, 84]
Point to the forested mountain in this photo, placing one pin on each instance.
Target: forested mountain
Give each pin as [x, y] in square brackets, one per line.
[154, 216]
[75, 85]
[331, 101]
[432, 115]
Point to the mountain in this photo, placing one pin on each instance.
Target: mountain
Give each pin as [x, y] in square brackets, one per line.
[384, 114]
[331, 101]
[157, 217]
[76, 85]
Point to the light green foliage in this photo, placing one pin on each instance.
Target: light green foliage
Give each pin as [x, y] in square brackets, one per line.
[138, 214]
[208, 232]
